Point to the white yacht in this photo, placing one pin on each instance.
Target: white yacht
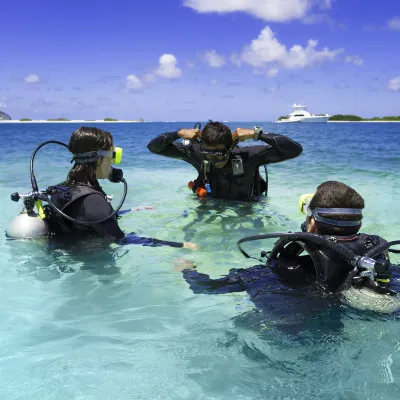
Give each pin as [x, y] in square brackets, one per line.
[300, 114]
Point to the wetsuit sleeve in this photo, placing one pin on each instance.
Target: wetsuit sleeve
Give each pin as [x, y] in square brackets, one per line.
[95, 208]
[165, 145]
[202, 283]
[132, 238]
[280, 148]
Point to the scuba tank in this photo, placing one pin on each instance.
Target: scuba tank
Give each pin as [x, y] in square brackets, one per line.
[30, 224]
[361, 270]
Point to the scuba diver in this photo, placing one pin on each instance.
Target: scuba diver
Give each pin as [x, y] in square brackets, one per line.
[329, 254]
[225, 170]
[79, 205]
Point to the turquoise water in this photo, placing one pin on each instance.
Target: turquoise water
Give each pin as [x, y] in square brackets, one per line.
[88, 322]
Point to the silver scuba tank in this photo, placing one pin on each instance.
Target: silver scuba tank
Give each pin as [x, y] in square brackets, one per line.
[27, 225]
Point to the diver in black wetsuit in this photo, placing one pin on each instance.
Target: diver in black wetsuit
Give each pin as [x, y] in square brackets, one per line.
[333, 221]
[82, 198]
[226, 171]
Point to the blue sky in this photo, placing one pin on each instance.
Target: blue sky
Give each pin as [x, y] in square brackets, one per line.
[191, 60]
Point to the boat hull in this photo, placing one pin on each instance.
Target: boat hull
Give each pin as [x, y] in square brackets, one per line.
[303, 120]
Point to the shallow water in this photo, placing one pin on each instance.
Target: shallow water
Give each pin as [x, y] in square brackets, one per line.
[94, 322]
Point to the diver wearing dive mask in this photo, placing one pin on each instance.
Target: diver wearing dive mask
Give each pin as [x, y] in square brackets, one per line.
[331, 255]
[224, 170]
[81, 197]
[79, 204]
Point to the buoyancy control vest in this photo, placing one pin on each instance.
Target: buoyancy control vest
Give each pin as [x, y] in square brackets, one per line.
[330, 270]
[62, 197]
[238, 184]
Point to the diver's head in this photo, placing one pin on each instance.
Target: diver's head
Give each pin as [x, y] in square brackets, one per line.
[334, 195]
[89, 167]
[216, 143]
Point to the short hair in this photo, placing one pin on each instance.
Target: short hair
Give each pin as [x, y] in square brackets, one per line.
[215, 133]
[333, 194]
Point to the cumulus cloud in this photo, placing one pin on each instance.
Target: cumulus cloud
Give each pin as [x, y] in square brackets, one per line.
[32, 78]
[268, 10]
[267, 49]
[213, 59]
[394, 84]
[394, 24]
[272, 72]
[133, 82]
[167, 67]
[356, 60]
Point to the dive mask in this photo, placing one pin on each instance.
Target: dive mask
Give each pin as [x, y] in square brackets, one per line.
[211, 155]
[303, 207]
[90, 156]
[304, 202]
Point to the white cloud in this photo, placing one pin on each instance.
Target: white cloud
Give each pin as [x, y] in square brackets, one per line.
[394, 84]
[234, 58]
[268, 10]
[167, 68]
[3, 105]
[356, 60]
[394, 24]
[133, 82]
[213, 81]
[32, 78]
[190, 64]
[267, 49]
[213, 59]
[272, 72]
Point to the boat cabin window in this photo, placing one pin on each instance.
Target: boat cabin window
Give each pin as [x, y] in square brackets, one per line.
[299, 115]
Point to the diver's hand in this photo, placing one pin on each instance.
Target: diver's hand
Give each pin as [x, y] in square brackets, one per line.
[142, 208]
[191, 246]
[181, 264]
[191, 134]
[242, 134]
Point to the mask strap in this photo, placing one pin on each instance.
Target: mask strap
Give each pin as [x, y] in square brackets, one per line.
[90, 156]
[348, 211]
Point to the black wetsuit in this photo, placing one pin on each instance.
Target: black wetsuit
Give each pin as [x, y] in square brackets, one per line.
[91, 205]
[260, 280]
[223, 182]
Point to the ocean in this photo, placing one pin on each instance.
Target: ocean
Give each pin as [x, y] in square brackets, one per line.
[94, 322]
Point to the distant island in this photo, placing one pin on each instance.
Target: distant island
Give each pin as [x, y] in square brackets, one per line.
[58, 119]
[356, 118]
[6, 118]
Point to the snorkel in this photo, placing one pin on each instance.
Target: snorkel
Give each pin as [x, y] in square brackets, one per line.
[21, 227]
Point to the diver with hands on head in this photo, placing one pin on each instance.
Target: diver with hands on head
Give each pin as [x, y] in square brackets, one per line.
[225, 170]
